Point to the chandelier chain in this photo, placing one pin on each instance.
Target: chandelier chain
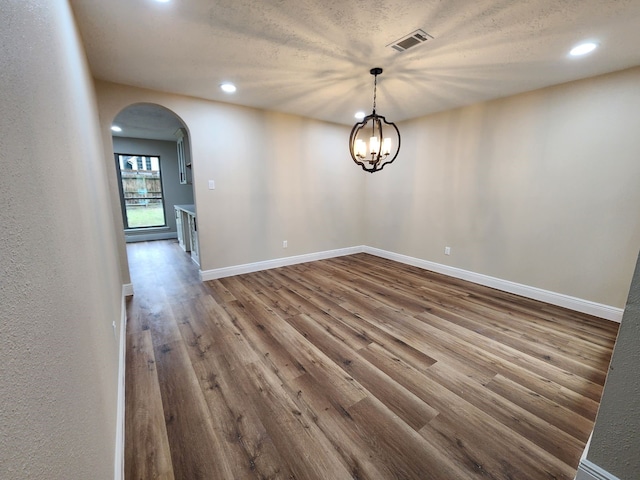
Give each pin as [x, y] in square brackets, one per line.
[375, 89]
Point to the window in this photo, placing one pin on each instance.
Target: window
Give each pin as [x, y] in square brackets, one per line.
[141, 191]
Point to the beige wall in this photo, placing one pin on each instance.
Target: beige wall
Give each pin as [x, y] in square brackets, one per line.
[60, 286]
[539, 189]
[278, 177]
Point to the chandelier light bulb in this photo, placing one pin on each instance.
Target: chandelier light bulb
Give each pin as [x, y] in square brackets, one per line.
[386, 146]
[374, 145]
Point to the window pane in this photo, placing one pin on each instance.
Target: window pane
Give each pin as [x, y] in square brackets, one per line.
[142, 191]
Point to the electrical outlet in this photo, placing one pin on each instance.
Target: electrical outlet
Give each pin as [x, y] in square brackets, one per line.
[284, 244]
[447, 250]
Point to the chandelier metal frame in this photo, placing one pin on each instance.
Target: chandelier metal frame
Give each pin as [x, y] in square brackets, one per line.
[375, 160]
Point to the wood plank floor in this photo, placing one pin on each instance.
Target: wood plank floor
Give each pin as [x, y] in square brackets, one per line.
[352, 368]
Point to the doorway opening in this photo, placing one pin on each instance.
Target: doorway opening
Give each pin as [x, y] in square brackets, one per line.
[153, 161]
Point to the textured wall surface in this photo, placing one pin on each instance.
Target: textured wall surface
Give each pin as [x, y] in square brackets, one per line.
[539, 189]
[615, 445]
[60, 287]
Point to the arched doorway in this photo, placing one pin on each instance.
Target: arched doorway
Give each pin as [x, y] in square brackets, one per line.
[151, 150]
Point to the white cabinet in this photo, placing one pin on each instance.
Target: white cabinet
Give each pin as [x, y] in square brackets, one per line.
[187, 227]
[193, 231]
[184, 157]
[182, 227]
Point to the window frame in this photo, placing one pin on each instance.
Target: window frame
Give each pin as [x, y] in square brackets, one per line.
[145, 159]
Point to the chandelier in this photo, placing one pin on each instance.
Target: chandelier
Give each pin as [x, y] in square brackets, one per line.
[368, 145]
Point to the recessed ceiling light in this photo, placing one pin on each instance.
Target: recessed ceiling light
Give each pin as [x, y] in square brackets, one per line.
[163, 1]
[228, 87]
[583, 49]
[359, 115]
[116, 128]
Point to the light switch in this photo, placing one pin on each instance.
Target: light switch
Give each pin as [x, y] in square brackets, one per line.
[212, 185]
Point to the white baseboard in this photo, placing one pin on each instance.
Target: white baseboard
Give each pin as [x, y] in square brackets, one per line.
[214, 274]
[559, 299]
[590, 471]
[119, 448]
[127, 290]
[147, 237]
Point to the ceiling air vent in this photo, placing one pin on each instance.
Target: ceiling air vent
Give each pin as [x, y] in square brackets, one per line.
[411, 40]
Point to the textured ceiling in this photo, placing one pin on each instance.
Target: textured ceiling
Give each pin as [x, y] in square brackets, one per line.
[144, 120]
[312, 58]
